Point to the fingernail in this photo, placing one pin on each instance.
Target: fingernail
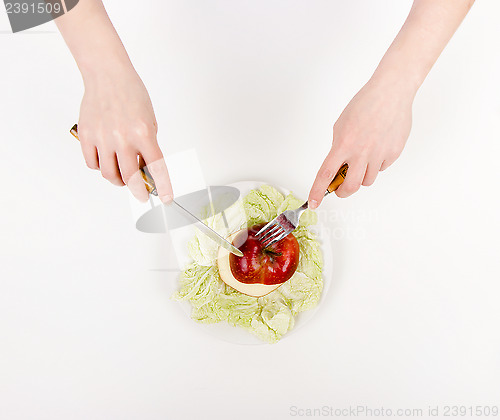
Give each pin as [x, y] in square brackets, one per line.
[313, 204]
[166, 199]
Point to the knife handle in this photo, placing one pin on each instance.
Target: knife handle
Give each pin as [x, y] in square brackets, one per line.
[146, 175]
[338, 180]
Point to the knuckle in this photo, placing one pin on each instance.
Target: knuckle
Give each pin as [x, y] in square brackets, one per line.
[91, 164]
[118, 134]
[127, 175]
[350, 187]
[139, 191]
[326, 173]
[155, 158]
[124, 147]
[118, 138]
[144, 130]
[108, 174]
[125, 178]
[339, 194]
[342, 193]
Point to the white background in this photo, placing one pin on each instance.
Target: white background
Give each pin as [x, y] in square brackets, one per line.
[87, 329]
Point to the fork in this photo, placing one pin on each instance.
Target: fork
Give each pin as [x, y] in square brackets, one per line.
[282, 225]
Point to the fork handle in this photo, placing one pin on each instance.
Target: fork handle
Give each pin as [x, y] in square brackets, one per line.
[146, 175]
[338, 180]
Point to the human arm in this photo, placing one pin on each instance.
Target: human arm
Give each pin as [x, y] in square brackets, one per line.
[372, 131]
[117, 124]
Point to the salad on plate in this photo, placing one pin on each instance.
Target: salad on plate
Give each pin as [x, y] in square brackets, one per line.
[269, 317]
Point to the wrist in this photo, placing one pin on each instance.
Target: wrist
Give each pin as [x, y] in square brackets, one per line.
[402, 80]
[94, 43]
[107, 67]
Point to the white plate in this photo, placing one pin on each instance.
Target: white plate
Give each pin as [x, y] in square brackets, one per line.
[237, 335]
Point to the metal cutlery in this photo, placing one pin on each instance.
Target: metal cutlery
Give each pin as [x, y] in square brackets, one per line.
[151, 188]
[285, 223]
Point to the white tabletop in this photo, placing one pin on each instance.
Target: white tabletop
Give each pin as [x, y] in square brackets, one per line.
[87, 329]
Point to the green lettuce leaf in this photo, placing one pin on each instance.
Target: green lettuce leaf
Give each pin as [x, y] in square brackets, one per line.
[268, 317]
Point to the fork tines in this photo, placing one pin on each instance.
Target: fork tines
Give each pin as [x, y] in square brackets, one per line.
[274, 231]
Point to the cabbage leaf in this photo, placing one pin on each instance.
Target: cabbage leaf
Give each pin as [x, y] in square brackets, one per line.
[268, 317]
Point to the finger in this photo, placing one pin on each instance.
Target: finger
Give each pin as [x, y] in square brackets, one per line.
[355, 176]
[158, 170]
[386, 163]
[129, 169]
[109, 168]
[325, 175]
[371, 173]
[90, 155]
[88, 147]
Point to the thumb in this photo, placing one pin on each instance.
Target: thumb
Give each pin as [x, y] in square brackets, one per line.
[325, 175]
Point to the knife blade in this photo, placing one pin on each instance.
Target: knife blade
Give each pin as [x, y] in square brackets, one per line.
[212, 234]
[151, 187]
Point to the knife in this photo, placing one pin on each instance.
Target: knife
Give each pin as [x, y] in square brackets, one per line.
[151, 187]
[212, 234]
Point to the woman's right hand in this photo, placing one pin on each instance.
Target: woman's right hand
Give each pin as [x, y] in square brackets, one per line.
[117, 131]
[117, 126]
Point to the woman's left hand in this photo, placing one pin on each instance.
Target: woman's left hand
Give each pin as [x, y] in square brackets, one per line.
[369, 136]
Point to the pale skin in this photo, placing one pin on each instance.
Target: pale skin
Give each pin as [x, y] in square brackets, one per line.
[372, 131]
[117, 125]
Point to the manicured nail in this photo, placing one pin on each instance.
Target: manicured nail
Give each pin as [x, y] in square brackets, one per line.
[313, 204]
[166, 198]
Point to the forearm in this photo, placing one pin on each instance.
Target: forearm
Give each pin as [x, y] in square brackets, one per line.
[427, 30]
[93, 41]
